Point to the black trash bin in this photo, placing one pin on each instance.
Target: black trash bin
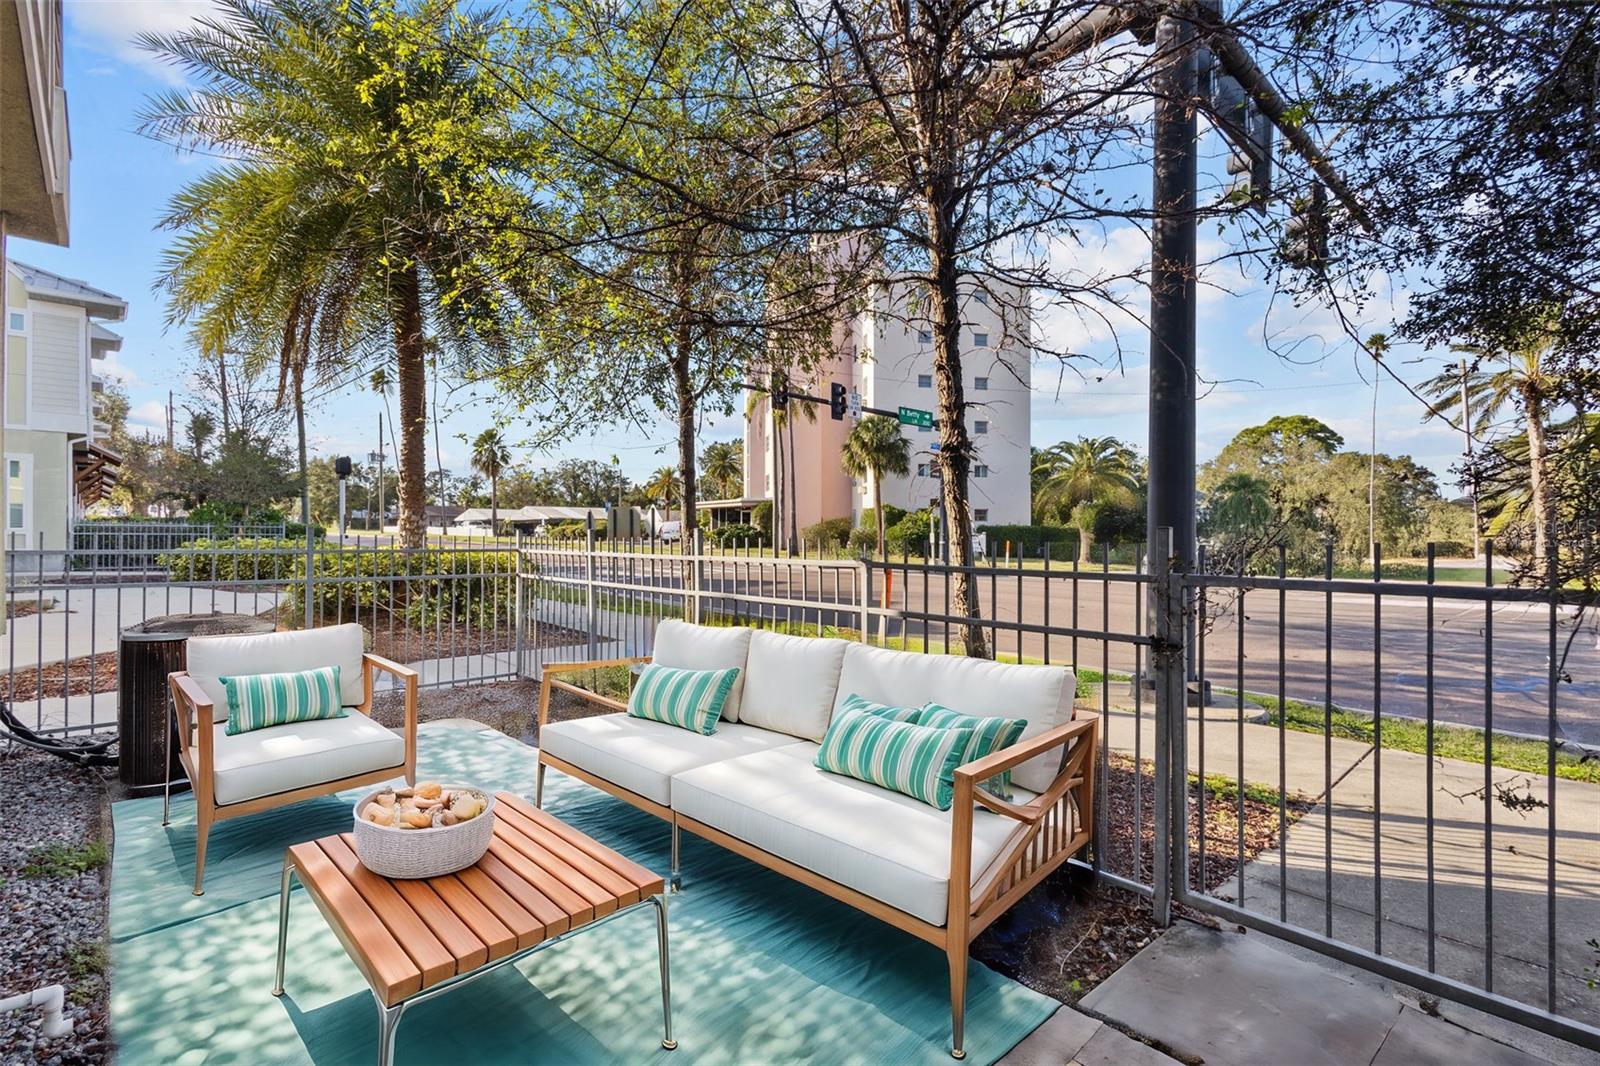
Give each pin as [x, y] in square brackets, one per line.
[146, 654]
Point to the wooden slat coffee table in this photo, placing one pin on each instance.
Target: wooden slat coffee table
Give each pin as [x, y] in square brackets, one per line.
[540, 882]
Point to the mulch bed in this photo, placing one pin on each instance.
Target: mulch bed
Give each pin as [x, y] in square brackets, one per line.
[52, 913]
[75, 677]
[25, 608]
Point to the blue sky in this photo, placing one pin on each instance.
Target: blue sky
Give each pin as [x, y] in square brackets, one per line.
[120, 182]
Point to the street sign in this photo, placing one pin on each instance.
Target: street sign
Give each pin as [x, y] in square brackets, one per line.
[911, 416]
[855, 404]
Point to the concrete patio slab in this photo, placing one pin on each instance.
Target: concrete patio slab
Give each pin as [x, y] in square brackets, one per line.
[1070, 1036]
[1246, 998]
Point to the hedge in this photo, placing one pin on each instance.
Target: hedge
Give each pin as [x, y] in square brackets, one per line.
[1032, 539]
[424, 586]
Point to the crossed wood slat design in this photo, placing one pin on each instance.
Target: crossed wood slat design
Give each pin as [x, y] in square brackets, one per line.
[541, 878]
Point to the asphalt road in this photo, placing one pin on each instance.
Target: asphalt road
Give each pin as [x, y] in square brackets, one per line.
[1508, 689]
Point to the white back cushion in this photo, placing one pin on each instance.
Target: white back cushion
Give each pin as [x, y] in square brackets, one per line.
[686, 646]
[211, 658]
[1042, 695]
[792, 683]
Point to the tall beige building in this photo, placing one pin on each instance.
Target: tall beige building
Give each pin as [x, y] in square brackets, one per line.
[886, 353]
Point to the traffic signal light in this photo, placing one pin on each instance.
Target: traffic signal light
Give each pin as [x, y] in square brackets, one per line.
[837, 401]
[1305, 235]
[780, 391]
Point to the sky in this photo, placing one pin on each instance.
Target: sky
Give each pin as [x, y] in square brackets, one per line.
[1258, 355]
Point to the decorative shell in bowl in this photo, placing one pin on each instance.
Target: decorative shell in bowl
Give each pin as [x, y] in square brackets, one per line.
[426, 830]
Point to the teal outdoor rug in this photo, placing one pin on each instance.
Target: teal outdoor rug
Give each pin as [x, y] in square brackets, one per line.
[763, 969]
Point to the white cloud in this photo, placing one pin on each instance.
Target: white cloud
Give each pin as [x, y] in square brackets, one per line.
[112, 366]
[150, 415]
[112, 26]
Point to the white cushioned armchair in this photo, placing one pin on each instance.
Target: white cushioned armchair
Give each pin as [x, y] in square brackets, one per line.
[266, 768]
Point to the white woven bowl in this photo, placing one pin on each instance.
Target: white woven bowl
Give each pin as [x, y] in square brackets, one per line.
[415, 853]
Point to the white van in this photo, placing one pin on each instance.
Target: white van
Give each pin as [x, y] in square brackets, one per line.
[670, 531]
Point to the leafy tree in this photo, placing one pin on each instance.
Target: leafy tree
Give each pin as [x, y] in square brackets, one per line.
[359, 137]
[663, 487]
[875, 447]
[1083, 475]
[490, 457]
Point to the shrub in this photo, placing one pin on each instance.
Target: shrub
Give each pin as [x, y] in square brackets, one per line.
[736, 535]
[891, 516]
[1032, 539]
[761, 518]
[909, 536]
[828, 533]
[864, 541]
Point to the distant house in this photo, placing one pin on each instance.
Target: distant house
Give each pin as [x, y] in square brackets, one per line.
[527, 519]
[56, 459]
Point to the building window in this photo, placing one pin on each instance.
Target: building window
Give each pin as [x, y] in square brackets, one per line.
[934, 502]
[922, 469]
[18, 321]
[980, 471]
[980, 340]
[980, 426]
[924, 381]
[16, 498]
[980, 384]
[982, 296]
[980, 514]
[924, 336]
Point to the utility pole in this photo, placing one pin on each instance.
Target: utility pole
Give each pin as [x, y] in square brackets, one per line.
[1472, 486]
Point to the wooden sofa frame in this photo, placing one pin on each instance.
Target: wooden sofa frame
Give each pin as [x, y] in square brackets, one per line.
[1059, 823]
[193, 708]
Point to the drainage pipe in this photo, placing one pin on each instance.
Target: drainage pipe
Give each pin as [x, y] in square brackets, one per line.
[50, 1000]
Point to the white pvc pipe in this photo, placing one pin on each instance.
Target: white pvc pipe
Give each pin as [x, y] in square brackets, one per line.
[50, 1000]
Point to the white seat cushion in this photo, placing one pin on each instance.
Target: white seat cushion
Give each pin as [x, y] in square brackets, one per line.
[792, 683]
[888, 846]
[686, 646]
[281, 758]
[211, 658]
[642, 756]
[1041, 695]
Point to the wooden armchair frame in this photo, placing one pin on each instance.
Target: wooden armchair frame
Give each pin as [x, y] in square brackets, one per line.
[194, 713]
[1057, 824]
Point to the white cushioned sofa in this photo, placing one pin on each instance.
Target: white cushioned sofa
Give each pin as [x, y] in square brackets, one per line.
[752, 786]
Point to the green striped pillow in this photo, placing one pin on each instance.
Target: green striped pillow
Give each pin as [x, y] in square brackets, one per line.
[908, 758]
[988, 735]
[854, 704]
[688, 699]
[257, 701]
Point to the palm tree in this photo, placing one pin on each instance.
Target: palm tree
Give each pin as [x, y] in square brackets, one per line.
[490, 457]
[722, 464]
[875, 447]
[1519, 377]
[664, 486]
[356, 135]
[1079, 475]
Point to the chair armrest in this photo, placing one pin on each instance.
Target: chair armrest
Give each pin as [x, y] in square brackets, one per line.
[409, 679]
[388, 666]
[549, 682]
[193, 709]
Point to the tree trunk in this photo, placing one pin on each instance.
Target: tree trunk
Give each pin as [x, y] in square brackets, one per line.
[955, 445]
[494, 505]
[779, 504]
[1085, 545]
[411, 370]
[877, 511]
[684, 388]
[1539, 482]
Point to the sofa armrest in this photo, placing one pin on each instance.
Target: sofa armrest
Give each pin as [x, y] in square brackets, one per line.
[1006, 758]
[549, 682]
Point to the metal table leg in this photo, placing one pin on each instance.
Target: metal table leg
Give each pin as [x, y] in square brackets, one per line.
[388, 1022]
[666, 973]
[283, 927]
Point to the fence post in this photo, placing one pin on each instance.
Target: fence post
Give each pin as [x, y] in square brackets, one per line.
[1168, 662]
[588, 589]
[696, 577]
[864, 586]
[518, 613]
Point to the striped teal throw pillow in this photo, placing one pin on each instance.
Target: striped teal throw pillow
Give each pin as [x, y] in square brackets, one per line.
[257, 701]
[912, 759]
[688, 699]
[854, 704]
[988, 735]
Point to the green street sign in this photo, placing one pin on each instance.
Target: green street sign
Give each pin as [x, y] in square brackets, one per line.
[910, 416]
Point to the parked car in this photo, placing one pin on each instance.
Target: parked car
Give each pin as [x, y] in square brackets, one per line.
[670, 531]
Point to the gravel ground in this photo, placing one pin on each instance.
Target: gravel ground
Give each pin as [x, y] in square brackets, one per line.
[53, 881]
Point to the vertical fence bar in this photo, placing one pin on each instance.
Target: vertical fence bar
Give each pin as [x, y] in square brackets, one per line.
[1553, 578]
[1167, 674]
[1377, 749]
[1283, 734]
[1428, 768]
[1488, 769]
[1327, 742]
